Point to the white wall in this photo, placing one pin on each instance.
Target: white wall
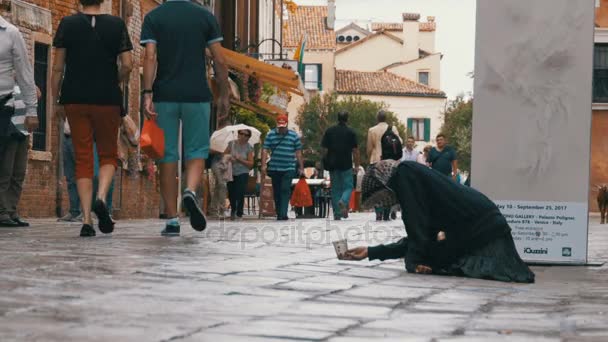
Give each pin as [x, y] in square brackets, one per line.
[431, 64]
[426, 41]
[371, 55]
[406, 107]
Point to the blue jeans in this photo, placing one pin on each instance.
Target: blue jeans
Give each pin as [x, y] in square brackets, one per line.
[341, 189]
[281, 189]
[69, 169]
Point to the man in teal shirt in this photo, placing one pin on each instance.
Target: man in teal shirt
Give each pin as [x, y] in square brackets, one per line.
[176, 35]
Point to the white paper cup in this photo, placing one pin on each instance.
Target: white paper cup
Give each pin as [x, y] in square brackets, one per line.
[341, 247]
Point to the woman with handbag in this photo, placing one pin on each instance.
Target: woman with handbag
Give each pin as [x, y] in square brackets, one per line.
[94, 50]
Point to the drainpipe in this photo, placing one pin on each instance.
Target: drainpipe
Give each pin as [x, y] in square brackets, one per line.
[274, 23]
[281, 35]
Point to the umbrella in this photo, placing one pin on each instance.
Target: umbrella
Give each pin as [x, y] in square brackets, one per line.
[221, 138]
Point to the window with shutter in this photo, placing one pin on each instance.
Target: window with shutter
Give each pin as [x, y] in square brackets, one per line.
[312, 77]
[420, 129]
[600, 73]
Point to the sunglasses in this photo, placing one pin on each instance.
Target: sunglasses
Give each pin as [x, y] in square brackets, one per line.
[245, 134]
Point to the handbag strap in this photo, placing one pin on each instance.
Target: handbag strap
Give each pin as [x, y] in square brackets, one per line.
[277, 145]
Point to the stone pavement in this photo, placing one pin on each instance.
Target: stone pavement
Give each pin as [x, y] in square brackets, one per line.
[261, 280]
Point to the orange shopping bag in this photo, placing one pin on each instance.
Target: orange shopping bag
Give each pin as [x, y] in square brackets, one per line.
[301, 196]
[152, 140]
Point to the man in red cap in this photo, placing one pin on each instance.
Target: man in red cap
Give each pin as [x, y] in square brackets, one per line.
[285, 148]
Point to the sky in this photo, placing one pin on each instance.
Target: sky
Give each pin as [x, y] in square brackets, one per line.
[455, 35]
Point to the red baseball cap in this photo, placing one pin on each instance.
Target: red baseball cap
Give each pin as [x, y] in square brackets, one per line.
[282, 120]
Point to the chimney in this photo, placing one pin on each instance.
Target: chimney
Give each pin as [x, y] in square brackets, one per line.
[331, 14]
[411, 32]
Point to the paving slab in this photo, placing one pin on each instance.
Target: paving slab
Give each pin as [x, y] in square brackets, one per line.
[262, 280]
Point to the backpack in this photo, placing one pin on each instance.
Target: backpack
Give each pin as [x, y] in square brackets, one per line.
[391, 145]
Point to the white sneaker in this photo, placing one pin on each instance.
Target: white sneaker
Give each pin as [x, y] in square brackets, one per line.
[70, 218]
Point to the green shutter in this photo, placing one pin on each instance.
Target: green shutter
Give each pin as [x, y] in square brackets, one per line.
[320, 77]
[410, 127]
[427, 129]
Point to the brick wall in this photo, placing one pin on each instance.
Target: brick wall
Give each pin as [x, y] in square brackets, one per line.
[599, 151]
[45, 193]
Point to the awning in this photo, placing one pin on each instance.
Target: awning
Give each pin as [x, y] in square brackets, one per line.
[285, 79]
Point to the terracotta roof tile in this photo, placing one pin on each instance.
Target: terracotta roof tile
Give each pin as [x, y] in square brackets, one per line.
[428, 27]
[309, 20]
[381, 83]
[424, 27]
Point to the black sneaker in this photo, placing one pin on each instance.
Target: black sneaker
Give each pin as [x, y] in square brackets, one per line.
[197, 217]
[106, 225]
[170, 230]
[8, 223]
[20, 222]
[87, 231]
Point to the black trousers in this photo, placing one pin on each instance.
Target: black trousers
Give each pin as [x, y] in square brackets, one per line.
[236, 193]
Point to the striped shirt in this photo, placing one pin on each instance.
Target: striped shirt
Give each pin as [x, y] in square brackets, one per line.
[283, 157]
[18, 118]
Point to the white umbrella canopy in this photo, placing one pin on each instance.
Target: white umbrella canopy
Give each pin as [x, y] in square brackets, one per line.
[221, 137]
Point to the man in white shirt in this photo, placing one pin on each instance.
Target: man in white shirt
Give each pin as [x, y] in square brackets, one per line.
[374, 138]
[410, 153]
[374, 153]
[14, 134]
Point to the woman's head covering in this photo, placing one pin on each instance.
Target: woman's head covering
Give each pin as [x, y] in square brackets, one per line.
[374, 190]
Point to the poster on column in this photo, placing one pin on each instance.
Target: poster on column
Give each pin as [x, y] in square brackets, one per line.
[532, 121]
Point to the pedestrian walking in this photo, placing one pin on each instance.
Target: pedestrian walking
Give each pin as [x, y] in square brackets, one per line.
[18, 118]
[443, 157]
[14, 144]
[474, 240]
[340, 149]
[69, 167]
[218, 184]
[424, 156]
[285, 148]
[410, 153]
[69, 171]
[176, 35]
[241, 156]
[376, 151]
[88, 45]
